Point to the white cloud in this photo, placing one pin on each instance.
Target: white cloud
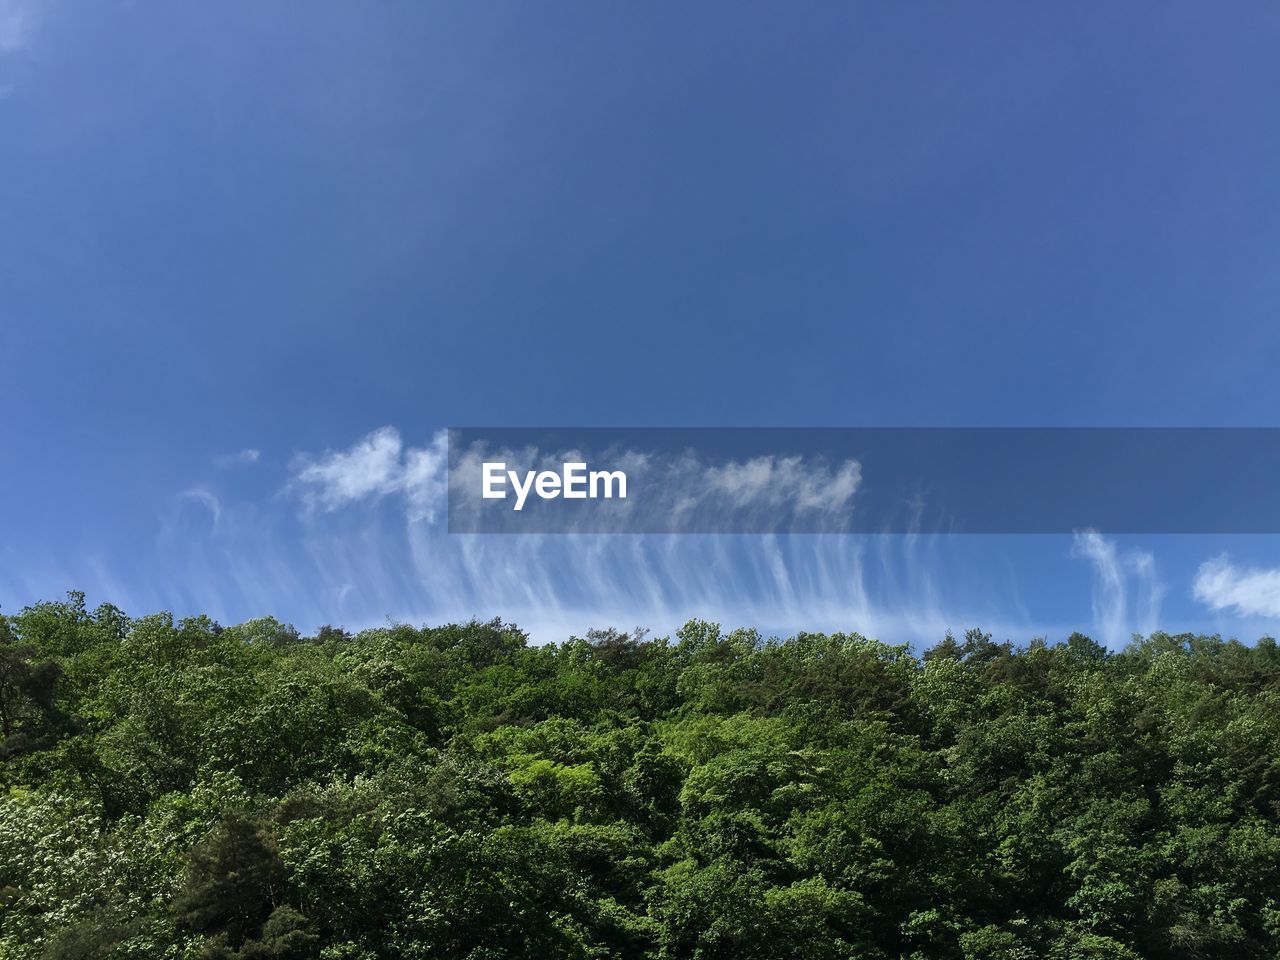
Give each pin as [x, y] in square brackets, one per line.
[555, 584]
[377, 466]
[358, 567]
[239, 459]
[786, 480]
[681, 493]
[205, 498]
[1126, 591]
[1248, 591]
[17, 22]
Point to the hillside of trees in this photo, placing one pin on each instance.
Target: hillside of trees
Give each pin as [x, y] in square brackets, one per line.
[187, 790]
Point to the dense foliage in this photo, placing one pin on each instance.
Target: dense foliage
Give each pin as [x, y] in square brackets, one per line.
[187, 790]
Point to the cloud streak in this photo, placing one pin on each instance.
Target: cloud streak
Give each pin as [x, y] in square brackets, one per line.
[368, 566]
[361, 538]
[207, 499]
[1127, 592]
[17, 23]
[683, 493]
[241, 458]
[667, 493]
[786, 481]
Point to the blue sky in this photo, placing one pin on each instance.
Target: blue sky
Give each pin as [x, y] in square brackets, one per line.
[244, 227]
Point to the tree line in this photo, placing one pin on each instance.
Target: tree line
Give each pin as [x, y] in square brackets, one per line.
[180, 789]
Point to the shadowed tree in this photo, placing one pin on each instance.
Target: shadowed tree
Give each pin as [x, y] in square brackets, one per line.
[234, 881]
[26, 691]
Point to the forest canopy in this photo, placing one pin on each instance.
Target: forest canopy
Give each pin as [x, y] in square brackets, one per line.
[180, 789]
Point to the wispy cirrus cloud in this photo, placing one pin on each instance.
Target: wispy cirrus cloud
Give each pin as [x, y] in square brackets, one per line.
[359, 537]
[207, 499]
[680, 492]
[17, 24]
[683, 490]
[774, 481]
[365, 561]
[241, 458]
[1127, 592]
[1246, 591]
